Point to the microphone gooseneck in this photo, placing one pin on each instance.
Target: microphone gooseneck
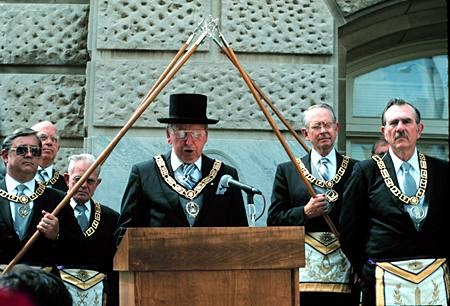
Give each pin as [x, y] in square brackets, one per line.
[227, 181]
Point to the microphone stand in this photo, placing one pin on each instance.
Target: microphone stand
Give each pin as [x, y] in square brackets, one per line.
[252, 209]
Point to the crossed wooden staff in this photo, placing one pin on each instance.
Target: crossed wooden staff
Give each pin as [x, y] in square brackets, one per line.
[207, 27]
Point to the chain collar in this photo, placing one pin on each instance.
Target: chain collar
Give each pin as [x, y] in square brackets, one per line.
[187, 193]
[321, 183]
[23, 199]
[413, 200]
[97, 214]
[53, 180]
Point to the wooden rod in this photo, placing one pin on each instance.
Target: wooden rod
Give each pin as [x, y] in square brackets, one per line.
[277, 132]
[272, 107]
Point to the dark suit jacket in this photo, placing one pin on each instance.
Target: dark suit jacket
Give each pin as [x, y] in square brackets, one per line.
[98, 249]
[43, 251]
[375, 225]
[2, 171]
[60, 184]
[290, 195]
[149, 201]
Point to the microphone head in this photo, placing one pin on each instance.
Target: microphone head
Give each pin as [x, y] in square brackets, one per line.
[224, 180]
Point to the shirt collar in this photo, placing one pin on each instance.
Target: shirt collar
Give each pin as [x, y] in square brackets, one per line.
[73, 203]
[315, 157]
[413, 161]
[11, 184]
[175, 162]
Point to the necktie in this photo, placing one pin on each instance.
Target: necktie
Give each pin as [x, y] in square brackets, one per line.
[323, 168]
[43, 176]
[189, 175]
[409, 184]
[22, 213]
[81, 216]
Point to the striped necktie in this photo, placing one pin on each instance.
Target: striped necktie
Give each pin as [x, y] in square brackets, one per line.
[323, 168]
[81, 216]
[189, 177]
[43, 175]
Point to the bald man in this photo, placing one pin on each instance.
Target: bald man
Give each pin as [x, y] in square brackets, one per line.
[47, 174]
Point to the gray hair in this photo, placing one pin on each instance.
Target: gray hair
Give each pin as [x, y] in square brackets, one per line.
[307, 113]
[87, 158]
[172, 126]
[20, 132]
[399, 101]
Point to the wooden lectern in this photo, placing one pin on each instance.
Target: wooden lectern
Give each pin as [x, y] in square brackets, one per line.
[210, 266]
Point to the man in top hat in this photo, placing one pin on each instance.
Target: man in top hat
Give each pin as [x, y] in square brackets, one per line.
[180, 188]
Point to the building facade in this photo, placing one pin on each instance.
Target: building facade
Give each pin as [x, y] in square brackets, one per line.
[87, 65]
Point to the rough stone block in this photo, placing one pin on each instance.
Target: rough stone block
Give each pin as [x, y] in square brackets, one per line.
[43, 34]
[278, 26]
[121, 85]
[61, 161]
[349, 7]
[26, 99]
[148, 25]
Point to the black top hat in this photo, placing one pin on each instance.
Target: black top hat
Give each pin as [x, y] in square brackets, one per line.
[187, 108]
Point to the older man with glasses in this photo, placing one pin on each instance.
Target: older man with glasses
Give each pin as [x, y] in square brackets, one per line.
[47, 174]
[26, 206]
[180, 188]
[326, 278]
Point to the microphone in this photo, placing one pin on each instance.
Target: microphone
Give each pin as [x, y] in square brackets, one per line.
[228, 181]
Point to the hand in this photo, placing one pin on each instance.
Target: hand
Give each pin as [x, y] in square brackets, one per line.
[316, 207]
[49, 226]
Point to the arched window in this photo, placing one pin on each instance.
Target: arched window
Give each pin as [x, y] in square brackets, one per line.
[421, 81]
[385, 55]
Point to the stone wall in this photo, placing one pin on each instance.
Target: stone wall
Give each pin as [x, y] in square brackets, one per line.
[43, 55]
[87, 66]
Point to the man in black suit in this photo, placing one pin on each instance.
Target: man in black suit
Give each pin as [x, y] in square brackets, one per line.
[292, 204]
[383, 221]
[47, 174]
[26, 206]
[98, 223]
[180, 188]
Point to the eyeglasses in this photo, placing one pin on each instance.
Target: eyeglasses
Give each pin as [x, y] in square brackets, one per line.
[44, 137]
[183, 134]
[24, 150]
[89, 181]
[326, 125]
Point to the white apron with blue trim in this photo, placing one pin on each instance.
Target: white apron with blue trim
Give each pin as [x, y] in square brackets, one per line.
[85, 286]
[412, 282]
[326, 269]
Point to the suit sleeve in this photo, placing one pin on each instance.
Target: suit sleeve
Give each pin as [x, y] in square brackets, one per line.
[133, 213]
[282, 210]
[353, 219]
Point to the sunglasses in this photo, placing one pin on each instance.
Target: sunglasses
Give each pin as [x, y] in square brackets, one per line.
[24, 150]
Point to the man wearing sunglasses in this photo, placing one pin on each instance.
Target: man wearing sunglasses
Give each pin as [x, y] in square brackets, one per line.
[47, 174]
[180, 188]
[26, 206]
